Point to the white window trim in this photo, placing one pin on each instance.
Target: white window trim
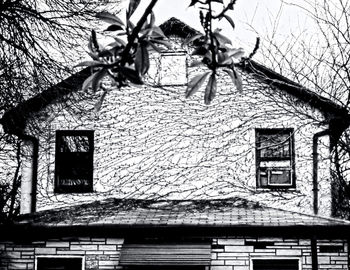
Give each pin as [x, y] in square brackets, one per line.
[274, 258]
[59, 256]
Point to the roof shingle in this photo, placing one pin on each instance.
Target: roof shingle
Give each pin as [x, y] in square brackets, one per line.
[175, 213]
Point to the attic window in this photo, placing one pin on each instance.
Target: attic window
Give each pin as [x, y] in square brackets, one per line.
[275, 158]
[173, 69]
[74, 161]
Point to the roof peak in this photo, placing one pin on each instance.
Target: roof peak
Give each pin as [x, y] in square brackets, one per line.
[174, 26]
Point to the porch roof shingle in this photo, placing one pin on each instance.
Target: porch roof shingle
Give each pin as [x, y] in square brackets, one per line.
[234, 212]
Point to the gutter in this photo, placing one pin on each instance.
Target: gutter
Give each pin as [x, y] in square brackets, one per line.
[41, 230]
[315, 166]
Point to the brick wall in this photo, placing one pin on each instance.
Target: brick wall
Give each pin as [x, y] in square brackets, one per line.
[227, 253]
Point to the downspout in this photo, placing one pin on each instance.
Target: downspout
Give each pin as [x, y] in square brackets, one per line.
[31, 173]
[315, 166]
[314, 257]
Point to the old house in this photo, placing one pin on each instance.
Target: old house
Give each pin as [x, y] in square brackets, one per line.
[154, 180]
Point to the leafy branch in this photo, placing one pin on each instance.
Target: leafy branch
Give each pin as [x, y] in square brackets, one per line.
[124, 61]
[216, 50]
[128, 61]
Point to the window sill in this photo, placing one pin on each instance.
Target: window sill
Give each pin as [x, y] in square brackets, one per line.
[280, 189]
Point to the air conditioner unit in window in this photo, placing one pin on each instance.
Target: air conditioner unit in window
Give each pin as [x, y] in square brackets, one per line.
[279, 177]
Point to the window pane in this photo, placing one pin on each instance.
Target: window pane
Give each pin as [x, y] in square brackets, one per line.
[59, 263]
[74, 144]
[274, 145]
[75, 165]
[263, 177]
[75, 169]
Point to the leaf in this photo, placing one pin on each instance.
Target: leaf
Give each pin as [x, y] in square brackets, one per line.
[229, 19]
[130, 25]
[114, 45]
[95, 83]
[224, 59]
[114, 27]
[131, 74]
[90, 64]
[155, 47]
[152, 20]
[145, 32]
[236, 79]
[109, 18]
[196, 83]
[133, 4]
[191, 39]
[93, 43]
[157, 32]
[210, 89]
[120, 41]
[94, 56]
[94, 80]
[142, 59]
[221, 38]
[236, 53]
[196, 63]
[99, 103]
[163, 42]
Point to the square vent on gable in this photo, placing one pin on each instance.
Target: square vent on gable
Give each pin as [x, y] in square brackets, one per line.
[173, 68]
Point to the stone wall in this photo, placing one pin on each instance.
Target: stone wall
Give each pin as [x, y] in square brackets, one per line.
[235, 254]
[98, 253]
[227, 253]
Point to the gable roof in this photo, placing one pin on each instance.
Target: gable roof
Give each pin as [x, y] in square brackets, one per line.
[14, 120]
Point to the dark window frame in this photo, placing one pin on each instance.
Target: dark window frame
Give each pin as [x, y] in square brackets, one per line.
[90, 157]
[259, 159]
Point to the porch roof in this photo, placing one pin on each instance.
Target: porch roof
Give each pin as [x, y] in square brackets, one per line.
[233, 212]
